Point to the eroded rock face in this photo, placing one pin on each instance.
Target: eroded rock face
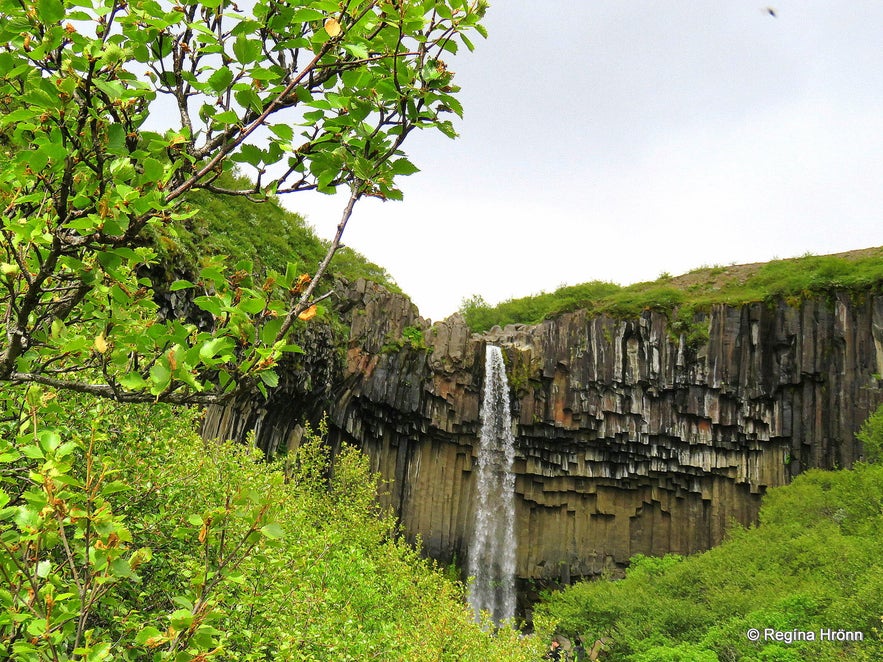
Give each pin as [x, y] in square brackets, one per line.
[628, 440]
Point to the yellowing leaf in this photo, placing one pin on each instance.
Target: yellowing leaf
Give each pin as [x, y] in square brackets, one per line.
[100, 344]
[302, 280]
[332, 27]
[308, 314]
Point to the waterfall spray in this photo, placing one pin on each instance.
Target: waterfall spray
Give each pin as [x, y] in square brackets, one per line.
[492, 548]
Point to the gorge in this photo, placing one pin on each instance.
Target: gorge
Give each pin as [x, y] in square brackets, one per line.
[630, 438]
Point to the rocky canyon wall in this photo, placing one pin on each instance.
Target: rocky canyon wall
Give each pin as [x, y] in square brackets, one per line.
[628, 439]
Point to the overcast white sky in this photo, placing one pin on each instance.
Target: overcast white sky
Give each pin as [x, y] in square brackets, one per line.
[611, 140]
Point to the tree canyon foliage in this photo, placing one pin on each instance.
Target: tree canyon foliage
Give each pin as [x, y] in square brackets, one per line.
[122, 534]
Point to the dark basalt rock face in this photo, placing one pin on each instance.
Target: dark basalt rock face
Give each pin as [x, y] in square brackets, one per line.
[628, 440]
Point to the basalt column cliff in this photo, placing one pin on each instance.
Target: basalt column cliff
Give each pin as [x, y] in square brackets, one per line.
[628, 440]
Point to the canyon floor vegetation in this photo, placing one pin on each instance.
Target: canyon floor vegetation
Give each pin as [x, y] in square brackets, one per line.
[125, 536]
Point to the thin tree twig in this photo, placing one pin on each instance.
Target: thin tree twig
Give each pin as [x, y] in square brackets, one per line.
[304, 302]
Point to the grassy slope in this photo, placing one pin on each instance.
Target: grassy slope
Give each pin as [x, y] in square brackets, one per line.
[809, 275]
[265, 234]
[814, 562]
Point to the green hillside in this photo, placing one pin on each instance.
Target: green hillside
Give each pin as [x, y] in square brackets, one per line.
[795, 278]
[805, 584]
[264, 233]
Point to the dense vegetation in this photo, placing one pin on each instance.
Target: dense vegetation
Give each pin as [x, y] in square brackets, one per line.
[815, 562]
[810, 275]
[125, 536]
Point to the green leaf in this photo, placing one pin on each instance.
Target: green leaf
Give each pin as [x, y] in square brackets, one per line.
[160, 376]
[116, 138]
[250, 154]
[450, 45]
[182, 602]
[120, 568]
[359, 51]
[181, 284]
[252, 305]
[43, 568]
[96, 652]
[269, 378]
[50, 11]
[33, 451]
[37, 160]
[132, 381]
[114, 487]
[227, 117]
[208, 304]
[181, 619]
[447, 128]
[66, 449]
[149, 633]
[249, 99]
[27, 517]
[49, 439]
[404, 167]
[17, 116]
[213, 347]
[37, 627]
[283, 131]
[153, 170]
[246, 50]
[307, 14]
[273, 531]
[221, 79]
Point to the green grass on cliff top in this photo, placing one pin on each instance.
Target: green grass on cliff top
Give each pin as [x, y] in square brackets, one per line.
[796, 278]
[264, 233]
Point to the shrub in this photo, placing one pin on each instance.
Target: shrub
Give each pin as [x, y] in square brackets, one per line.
[126, 536]
[814, 562]
[871, 435]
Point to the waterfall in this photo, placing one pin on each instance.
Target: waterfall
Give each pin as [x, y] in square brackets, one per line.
[492, 548]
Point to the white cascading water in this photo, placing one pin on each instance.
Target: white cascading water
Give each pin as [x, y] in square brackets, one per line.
[492, 549]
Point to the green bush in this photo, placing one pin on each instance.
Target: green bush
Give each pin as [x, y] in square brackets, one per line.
[871, 435]
[126, 536]
[679, 653]
[815, 561]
